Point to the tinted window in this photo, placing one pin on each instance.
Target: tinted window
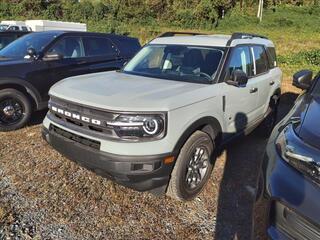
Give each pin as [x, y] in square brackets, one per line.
[24, 28]
[13, 28]
[5, 40]
[272, 57]
[240, 60]
[19, 48]
[260, 58]
[97, 46]
[68, 47]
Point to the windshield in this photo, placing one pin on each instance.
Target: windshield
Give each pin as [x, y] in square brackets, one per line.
[18, 48]
[176, 62]
[3, 27]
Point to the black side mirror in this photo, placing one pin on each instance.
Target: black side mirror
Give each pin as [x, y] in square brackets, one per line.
[31, 53]
[302, 79]
[238, 78]
[52, 57]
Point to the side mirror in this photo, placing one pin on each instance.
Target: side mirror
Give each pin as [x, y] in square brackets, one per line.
[52, 57]
[302, 79]
[31, 52]
[238, 78]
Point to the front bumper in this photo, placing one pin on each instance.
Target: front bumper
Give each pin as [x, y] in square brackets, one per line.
[288, 206]
[141, 173]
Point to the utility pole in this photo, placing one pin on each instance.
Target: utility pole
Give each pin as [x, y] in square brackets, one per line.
[260, 9]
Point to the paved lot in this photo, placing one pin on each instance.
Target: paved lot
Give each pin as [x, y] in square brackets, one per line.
[44, 195]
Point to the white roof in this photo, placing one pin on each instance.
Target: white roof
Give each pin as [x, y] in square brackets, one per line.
[209, 40]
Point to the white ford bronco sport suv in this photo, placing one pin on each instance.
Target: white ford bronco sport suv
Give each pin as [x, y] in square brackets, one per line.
[155, 124]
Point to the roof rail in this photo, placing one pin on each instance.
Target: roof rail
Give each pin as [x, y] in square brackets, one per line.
[171, 34]
[240, 35]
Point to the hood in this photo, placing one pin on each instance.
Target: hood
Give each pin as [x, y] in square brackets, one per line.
[310, 128]
[124, 92]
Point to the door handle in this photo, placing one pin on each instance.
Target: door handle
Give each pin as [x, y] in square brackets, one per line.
[253, 90]
[271, 83]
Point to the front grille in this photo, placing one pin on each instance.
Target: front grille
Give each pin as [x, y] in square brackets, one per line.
[98, 130]
[73, 137]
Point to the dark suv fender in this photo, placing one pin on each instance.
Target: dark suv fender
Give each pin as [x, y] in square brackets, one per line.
[26, 88]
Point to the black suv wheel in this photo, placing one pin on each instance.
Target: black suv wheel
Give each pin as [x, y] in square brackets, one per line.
[15, 109]
[193, 167]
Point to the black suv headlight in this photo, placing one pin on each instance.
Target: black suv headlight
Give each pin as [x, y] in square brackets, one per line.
[139, 126]
[298, 154]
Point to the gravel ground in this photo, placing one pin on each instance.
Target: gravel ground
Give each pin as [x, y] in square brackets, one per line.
[45, 196]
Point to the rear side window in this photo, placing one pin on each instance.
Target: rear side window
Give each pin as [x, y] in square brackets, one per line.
[98, 46]
[260, 59]
[272, 57]
[24, 29]
[240, 60]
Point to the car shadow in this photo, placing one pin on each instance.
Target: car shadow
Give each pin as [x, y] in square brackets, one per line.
[37, 117]
[238, 184]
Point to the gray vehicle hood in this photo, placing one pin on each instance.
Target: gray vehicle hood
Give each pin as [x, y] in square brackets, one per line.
[124, 92]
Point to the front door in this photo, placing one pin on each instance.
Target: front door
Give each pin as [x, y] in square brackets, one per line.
[240, 103]
[72, 63]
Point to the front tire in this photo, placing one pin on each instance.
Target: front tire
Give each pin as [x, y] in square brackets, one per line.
[193, 167]
[15, 110]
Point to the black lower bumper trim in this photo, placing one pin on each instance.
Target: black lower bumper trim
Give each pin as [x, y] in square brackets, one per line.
[141, 173]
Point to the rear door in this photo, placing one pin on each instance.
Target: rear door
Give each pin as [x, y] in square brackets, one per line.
[262, 77]
[240, 102]
[101, 54]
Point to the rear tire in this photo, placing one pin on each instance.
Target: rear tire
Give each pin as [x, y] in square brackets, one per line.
[15, 109]
[193, 167]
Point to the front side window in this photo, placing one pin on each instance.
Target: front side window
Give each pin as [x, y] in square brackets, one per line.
[176, 62]
[18, 48]
[261, 59]
[97, 46]
[68, 47]
[5, 40]
[240, 60]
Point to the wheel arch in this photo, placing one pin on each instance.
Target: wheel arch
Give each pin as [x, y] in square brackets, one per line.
[209, 125]
[23, 87]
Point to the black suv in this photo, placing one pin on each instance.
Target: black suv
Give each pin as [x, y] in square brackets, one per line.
[288, 196]
[30, 65]
[9, 36]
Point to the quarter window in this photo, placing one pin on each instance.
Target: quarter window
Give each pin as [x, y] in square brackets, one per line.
[260, 59]
[240, 60]
[97, 46]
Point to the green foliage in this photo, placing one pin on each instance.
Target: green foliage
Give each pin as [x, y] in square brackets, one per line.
[311, 57]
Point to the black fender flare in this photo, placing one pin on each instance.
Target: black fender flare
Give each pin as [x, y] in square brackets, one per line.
[31, 90]
[214, 130]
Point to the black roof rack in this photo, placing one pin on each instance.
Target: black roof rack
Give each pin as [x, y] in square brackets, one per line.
[240, 35]
[171, 34]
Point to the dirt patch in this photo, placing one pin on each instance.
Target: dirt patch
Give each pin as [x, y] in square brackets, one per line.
[45, 196]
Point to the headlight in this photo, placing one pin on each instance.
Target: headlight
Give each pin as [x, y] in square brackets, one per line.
[139, 126]
[298, 154]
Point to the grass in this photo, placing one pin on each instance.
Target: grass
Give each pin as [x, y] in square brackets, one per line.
[294, 30]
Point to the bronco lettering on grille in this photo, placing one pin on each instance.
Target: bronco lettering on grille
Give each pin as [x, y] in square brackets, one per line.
[76, 116]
